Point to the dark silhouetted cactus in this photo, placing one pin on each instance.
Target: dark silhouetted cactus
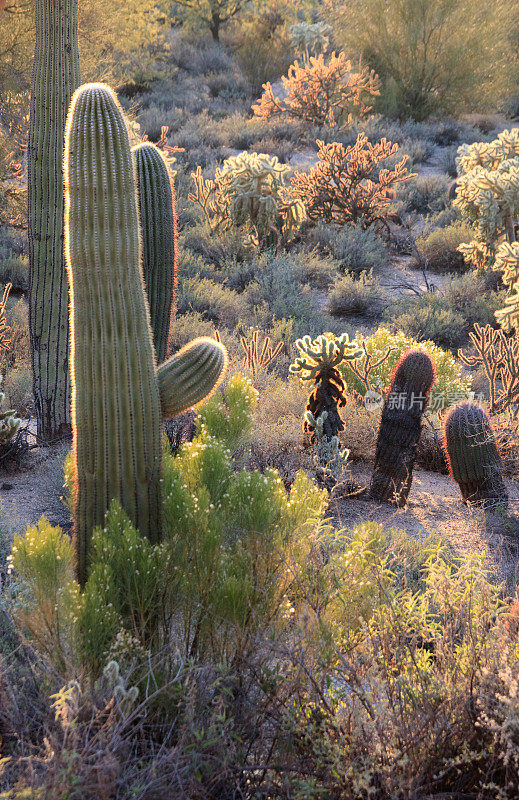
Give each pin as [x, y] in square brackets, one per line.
[472, 455]
[55, 76]
[400, 428]
[118, 395]
[317, 363]
[159, 240]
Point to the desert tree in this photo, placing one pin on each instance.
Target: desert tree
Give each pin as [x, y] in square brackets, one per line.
[432, 55]
[212, 14]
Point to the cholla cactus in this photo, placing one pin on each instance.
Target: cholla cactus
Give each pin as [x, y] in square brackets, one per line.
[309, 38]
[330, 458]
[9, 424]
[347, 185]
[507, 259]
[249, 191]
[320, 93]
[487, 194]
[317, 363]
[498, 355]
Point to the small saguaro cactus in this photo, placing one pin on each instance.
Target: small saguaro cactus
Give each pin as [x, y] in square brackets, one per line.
[159, 240]
[118, 394]
[401, 427]
[472, 455]
[317, 363]
[55, 76]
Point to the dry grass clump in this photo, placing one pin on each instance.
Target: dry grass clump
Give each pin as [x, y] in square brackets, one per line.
[277, 436]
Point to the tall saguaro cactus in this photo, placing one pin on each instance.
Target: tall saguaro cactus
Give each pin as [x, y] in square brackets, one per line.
[55, 77]
[159, 240]
[118, 395]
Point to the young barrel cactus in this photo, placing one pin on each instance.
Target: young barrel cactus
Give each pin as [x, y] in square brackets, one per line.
[401, 427]
[55, 76]
[472, 455]
[118, 395]
[317, 364]
[159, 240]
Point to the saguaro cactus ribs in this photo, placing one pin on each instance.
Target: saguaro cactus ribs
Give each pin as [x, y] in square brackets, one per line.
[116, 403]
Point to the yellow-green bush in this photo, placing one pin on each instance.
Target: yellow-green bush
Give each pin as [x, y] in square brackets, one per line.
[449, 375]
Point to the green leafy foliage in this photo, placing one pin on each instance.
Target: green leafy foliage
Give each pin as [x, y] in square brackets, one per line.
[126, 589]
[449, 376]
[231, 532]
[47, 600]
[431, 56]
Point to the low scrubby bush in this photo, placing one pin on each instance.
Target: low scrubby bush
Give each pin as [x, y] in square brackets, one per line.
[438, 248]
[214, 301]
[279, 291]
[446, 317]
[426, 194]
[355, 249]
[361, 296]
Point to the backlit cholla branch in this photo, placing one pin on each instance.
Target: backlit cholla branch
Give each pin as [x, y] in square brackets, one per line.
[346, 185]
[320, 93]
[498, 354]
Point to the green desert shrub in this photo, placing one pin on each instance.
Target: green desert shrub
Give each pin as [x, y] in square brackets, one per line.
[264, 50]
[431, 58]
[439, 247]
[212, 248]
[279, 291]
[214, 301]
[15, 269]
[427, 317]
[317, 268]
[427, 194]
[127, 589]
[446, 317]
[219, 571]
[361, 296]
[418, 150]
[355, 249]
[447, 160]
[46, 599]
[449, 374]
[189, 325]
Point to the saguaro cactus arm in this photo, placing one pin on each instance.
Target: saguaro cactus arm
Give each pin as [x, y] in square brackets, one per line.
[159, 240]
[55, 76]
[190, 376]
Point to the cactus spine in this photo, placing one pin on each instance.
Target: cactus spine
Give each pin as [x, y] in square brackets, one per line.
[55, 77]
[159, 240]
[401, 427]
[472, 455]
[116, 406]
